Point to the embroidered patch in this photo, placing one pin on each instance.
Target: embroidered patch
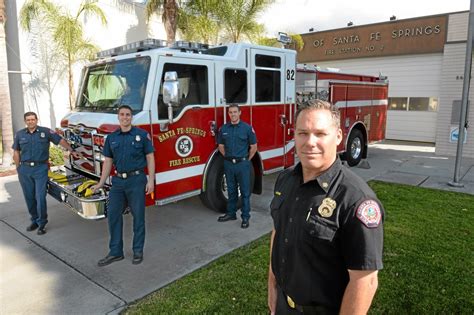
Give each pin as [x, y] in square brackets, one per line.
[369, 213]
[148, 136]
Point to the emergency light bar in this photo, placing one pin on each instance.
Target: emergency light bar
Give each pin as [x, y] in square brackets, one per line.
[152, 43]
[142, 45]
[189, 46]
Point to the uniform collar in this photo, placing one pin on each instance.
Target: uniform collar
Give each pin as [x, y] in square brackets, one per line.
[131, 131]
[325, 179]
[235, 125]
[36, 130]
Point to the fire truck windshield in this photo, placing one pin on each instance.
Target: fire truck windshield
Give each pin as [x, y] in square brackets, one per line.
[110, 85]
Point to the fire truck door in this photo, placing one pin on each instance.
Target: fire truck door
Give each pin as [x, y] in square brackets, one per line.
[269, 115]
[185, 145]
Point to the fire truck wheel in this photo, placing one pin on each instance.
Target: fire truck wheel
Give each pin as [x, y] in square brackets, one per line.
[215, 196]
[355, 148]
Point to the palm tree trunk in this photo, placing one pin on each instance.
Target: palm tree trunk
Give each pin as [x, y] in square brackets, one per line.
[170, 20]
[71, 83]
[5, 102]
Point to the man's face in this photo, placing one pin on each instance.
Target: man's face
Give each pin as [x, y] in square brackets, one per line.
[31, 122]
[316, 140]
[234, 115]
[125, 117]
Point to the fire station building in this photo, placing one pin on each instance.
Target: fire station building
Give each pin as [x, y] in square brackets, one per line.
[424, 61]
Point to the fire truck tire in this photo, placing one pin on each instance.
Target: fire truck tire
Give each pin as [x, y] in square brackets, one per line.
[215, 196]
[355, 148]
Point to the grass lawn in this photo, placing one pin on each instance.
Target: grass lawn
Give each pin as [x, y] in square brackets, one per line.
[428, 263]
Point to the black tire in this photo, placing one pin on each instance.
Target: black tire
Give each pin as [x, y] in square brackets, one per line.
[355, 148]
[215, 195]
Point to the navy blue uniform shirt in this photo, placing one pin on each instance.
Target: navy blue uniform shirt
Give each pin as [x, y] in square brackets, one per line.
[34, 146]
[128, 149]
[236, 139]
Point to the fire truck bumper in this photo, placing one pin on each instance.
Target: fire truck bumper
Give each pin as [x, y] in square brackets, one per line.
[63, 186]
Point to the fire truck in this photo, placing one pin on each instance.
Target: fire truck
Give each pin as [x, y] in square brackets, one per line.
[179, 94]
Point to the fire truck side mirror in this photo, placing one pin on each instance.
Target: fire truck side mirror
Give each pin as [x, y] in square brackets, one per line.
[171, 92]
[171, 89]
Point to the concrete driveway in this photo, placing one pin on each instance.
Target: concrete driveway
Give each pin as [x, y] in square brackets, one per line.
[57, 273]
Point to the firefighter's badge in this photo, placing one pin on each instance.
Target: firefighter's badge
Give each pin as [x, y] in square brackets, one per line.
[137, 138]
[327, 207]
[42, 135]
[369, 213]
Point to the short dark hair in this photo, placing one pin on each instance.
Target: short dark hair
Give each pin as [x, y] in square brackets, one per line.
[29, 114]
[125, 106]
[234, 105]
[315, 104]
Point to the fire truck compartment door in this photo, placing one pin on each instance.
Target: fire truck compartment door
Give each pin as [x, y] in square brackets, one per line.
[271, 113]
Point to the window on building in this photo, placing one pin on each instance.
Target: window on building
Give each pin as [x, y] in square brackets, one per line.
[427, 104]
[397, 103]
[235, 86]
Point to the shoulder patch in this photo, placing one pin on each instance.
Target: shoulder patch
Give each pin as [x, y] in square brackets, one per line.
[369, 213]
[148, 136]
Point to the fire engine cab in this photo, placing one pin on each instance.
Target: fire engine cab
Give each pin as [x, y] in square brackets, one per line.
[179, 94]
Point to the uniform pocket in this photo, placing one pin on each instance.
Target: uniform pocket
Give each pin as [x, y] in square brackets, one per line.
[114, 147]
[320, 228]
[275, 207]
[137, 149]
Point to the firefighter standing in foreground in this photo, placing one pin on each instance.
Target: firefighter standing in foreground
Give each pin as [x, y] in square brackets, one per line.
[326, 245]
[31, 156]
[237, 144]
[129, 149]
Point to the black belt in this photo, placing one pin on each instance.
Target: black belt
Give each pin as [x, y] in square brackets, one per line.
[33, 163]
[235, 160]
[128, 174]
[309, 309]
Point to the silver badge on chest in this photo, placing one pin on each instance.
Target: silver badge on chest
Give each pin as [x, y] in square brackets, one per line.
[42, 135]
[137, 138]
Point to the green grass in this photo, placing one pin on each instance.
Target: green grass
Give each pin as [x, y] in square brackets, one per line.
[428, 263]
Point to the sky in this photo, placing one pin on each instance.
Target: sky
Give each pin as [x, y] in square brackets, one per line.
[298, 16]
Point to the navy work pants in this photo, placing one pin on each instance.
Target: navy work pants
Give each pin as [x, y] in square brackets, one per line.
[33, 180]
[131, 192]
[238, 176]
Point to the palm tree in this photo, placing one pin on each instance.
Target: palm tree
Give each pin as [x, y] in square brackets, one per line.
[238, 17]
[169, 16]
[66, 31]
[5, 103]
[211, 20]
[198, 21]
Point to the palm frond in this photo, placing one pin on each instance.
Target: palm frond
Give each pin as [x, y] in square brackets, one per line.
[90, 8]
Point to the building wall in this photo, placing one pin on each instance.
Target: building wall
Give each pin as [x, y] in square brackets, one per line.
[452, 74]
[438, 74]
[45, 90]
[409, 76]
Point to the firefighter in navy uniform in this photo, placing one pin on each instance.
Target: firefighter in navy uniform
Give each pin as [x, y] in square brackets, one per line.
[129, 149]
[237, 144]
[328, 226]
[31, 156]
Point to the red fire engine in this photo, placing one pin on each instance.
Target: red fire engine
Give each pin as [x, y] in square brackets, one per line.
[179, 95]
